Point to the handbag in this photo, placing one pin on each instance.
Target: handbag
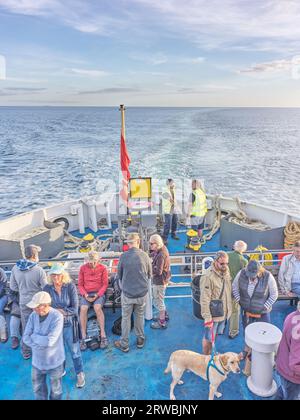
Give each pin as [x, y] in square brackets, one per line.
[77, 336]
[216, 306]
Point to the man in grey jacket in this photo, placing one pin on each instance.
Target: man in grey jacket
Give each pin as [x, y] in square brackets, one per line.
[27, 278]
[134, 271]
[289, 273]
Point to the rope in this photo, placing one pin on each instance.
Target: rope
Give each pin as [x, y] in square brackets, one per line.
[291, 234]
[239, 217]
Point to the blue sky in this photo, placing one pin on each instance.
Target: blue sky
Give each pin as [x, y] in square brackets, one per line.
[150, 52]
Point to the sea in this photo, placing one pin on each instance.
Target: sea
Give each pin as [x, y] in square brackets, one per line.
[52, 154]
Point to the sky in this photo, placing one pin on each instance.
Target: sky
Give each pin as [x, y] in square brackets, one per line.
[150, 53]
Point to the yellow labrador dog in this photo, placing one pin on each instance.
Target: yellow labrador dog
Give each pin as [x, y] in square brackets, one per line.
[182, 360]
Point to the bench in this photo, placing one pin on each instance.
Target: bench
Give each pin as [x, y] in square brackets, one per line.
[274, 269]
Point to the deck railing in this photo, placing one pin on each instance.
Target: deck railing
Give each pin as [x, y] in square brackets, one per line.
[184, 266]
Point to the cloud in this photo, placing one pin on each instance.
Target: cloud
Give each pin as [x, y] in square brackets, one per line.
[109, 90]
[89, 73]
[232, 24]
[89, 17]
[162, 58]
[13, 91]
[273, 66]
[25, 89]
[270, 25]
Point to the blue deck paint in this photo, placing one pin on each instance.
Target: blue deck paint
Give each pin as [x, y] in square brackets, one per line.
[111, 374]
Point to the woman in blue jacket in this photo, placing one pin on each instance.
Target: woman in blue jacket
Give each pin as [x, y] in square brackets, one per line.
[65, 299]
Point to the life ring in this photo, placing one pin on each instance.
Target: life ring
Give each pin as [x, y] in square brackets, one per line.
[62, 221]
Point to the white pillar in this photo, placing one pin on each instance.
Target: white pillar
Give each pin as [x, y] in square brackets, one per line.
[92, 215]
[78, 209]
[263, 339]
[148, 308]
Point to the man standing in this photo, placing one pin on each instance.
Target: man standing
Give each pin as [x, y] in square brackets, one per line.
[288, 359]
[44, 335]
[92, 285]
[197, 207]
[169, 211]
[236, 263]
[215, 286]
[289, 273]
[27, 278]
[135, 272]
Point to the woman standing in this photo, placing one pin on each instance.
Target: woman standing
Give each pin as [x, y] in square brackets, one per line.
[65, 299]
[161, 276]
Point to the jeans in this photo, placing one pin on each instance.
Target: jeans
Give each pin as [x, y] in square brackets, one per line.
[14, 326]
[73, 348]
[138, 307]
[25, 314]
[288, 390]
[171, 221]
[295, 289]
[264, 318]
[39, 382]
[3, 302]
[218, 328]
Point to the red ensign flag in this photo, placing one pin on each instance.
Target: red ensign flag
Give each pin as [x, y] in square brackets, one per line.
[125, 159]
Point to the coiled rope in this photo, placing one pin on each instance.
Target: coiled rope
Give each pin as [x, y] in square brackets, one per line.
[291, 234]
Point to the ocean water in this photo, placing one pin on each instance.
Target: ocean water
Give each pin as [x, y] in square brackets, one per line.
[51, 154]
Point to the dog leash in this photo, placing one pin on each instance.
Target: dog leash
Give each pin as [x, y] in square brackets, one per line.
[211, 363]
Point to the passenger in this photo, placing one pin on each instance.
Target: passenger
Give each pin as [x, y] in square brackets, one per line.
[27, 278]
[44, 335]
[64, 298]
[169, 210]
[236, 263]
[161, 276]
[197, 207]
[15, 319]
[255, 289]
[215, 288]
[289, 273]
[135, 272]
[288, 359]
[3, 302]
[92, 285]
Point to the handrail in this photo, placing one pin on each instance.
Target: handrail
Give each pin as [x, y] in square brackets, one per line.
[179, 254]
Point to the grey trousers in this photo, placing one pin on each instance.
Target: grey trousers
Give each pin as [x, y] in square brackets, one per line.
[137, 306]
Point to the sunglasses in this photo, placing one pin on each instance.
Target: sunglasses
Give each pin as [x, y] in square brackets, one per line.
[222, 263]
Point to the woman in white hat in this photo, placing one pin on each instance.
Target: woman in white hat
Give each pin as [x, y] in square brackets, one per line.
[65, 299]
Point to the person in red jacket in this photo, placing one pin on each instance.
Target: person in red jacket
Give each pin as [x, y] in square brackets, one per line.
[92, 285]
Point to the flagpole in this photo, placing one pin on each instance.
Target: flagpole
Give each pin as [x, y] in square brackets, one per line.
[122, 109]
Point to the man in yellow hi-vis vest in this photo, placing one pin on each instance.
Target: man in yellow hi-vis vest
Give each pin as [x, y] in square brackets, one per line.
[197, 207]
[169, 211]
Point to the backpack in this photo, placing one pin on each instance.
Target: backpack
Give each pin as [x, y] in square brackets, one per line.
[117, 325]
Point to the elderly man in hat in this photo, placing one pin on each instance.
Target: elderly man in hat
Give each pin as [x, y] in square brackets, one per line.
[44, 335]
[92, 285]
[27, 278]
[135, 272]
[289, 273]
